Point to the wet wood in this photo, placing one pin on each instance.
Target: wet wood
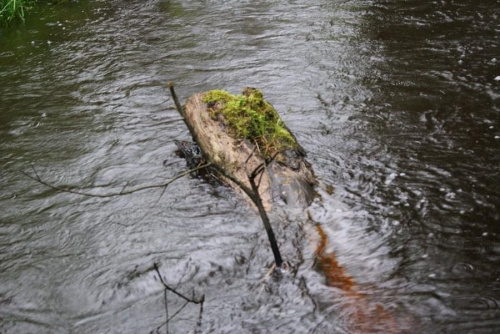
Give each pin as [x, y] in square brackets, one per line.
[216, 146]
[288, 177]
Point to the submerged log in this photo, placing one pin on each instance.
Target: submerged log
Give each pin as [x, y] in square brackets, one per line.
[287, 175]
[279, 172]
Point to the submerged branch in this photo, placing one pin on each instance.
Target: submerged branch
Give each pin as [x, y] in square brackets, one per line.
[187, 301]
[252, 193]
[38, 179]
[165, 285]
[263, 215]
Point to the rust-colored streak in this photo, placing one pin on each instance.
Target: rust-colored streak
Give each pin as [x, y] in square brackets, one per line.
[335, 274]
[366, 317]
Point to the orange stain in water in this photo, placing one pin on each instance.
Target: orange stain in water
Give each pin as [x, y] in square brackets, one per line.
[366, 317]
[335, 274]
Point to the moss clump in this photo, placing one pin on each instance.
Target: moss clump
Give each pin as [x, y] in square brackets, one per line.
[250, 117]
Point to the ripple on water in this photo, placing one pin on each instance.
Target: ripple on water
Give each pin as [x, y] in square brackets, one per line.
[394, 101]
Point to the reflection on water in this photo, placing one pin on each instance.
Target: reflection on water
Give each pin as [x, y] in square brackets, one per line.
[395, 101]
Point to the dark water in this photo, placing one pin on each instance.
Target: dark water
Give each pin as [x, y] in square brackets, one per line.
[397, 103]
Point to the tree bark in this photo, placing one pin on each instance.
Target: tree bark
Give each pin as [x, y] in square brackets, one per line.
[288, 177]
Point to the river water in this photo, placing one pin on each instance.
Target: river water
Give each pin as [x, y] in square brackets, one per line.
[396, 102]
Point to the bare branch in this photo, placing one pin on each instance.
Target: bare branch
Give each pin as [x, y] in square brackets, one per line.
[188, 300]
[249, 157]
[166, 309]
[150, 209]
[194, 301]
[175, 98]
[112, 194]
[263, 215]
[178, 311]
[252, 193]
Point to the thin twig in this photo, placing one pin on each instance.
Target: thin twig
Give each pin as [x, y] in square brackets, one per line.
[175, 98]
[200, 317]
[171, 317]
[112, 194]
[166, 309]
[252, 193]
[263, 215]
[178, 311]
[250, 156]
[194, 301]
[183, 274]
[188, 300]
[151, 208]
[266, 277]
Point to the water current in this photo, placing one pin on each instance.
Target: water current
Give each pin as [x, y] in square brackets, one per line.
[396, 102]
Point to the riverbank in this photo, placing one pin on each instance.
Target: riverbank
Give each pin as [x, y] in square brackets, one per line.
[14, 9]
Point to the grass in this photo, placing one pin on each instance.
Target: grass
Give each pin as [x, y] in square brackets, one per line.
[13, 9]
[249, 116]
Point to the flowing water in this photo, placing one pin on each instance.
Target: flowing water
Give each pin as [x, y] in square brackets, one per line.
[396, 102]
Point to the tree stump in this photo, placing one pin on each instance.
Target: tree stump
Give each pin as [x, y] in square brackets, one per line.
[287, 176]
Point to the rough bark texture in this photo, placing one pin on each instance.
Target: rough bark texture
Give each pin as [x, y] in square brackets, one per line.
[288, 177]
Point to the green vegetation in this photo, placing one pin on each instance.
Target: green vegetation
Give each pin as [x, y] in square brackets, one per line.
[12, 9]
[250, 117]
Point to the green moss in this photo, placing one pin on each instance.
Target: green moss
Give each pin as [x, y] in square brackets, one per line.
[250, 117]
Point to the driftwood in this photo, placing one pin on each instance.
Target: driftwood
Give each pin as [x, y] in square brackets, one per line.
[288, 176]
[235, 161]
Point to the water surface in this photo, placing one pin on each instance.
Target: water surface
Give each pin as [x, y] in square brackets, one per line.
[397, 103]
